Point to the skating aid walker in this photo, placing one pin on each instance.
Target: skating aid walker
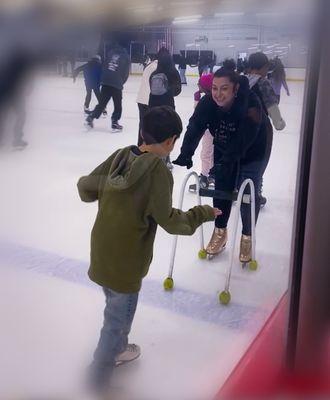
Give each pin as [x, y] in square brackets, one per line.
[224, 296]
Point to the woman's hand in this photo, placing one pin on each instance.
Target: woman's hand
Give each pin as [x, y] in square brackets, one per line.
[183, 161]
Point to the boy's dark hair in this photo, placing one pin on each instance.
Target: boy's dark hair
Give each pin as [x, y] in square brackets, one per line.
[258, 60]
[227, 73]
[159, 124]
[229, 64]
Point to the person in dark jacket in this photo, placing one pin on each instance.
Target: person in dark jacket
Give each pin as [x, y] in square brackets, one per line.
[15, 85]
[115, 71]
[182, 69]
[235, 118]
[92, 75]
[165, 83]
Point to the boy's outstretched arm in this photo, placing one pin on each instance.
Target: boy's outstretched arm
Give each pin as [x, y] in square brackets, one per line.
[91, 186]
[174, 221]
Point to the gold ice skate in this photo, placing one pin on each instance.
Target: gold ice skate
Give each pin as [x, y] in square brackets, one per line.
[218, 242]
[245, 254]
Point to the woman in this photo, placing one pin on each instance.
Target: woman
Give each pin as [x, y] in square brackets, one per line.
[234, 116]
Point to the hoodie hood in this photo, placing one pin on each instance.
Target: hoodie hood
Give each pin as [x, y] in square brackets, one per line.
[128, 168]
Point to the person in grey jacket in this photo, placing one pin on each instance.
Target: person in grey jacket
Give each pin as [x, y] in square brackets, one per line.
[115, 73]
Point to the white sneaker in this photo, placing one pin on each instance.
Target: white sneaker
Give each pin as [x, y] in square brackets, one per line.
[131, 353]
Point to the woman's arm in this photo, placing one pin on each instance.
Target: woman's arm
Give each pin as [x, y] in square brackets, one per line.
[198, 124]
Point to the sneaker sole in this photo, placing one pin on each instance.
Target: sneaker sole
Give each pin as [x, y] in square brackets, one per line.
[119, 363]
[19, 148]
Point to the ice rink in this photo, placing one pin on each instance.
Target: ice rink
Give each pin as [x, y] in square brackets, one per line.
[51, 314]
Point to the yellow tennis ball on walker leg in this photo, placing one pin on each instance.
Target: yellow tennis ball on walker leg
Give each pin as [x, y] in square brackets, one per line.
[225, 297]
[253, 265]
[202, 254]
[168, 284]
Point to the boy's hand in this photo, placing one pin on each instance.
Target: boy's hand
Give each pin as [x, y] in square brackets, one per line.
[217, 212]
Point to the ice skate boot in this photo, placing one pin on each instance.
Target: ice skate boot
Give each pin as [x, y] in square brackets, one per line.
[131, 353]
[203, 184]
[19, 144]
[203, 181]
[217, 243]
[115, 127]
[87, 110]
[245, 253]
[89, 123]
[104, 113]
[211, 180]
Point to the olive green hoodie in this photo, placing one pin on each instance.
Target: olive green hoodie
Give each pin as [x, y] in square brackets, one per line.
[134, 191]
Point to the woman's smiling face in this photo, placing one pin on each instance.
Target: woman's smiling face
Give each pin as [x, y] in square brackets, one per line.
[224, 92]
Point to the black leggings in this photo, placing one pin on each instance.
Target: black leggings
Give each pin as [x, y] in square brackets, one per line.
[230, 180]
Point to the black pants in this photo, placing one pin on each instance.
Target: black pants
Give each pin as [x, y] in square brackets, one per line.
[88, 97]
[17, 105]
[143, 108]
[108, 92]
[231, 179]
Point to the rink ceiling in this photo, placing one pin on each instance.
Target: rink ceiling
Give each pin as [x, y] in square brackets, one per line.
[56, 313]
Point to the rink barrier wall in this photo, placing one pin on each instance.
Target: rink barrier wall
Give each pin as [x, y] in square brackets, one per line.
[292, 74]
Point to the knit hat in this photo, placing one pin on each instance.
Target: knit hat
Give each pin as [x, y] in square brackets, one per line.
[205, 82]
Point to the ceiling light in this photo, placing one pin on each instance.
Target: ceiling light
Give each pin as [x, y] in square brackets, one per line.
[185, 21]
[267, 14]
[188, 17]
[229, 14]
[186, 3]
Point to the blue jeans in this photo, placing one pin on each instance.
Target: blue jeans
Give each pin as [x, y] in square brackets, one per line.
[118, 317]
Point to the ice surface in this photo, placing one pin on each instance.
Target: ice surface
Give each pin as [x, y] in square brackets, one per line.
[51, 315]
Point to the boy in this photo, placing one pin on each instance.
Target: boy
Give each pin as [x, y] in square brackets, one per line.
[92, 75]
[134, 191]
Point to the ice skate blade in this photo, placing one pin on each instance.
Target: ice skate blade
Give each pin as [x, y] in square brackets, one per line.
[245, 264]
[116, 130]
[88, 127]
[210, 256]
[19, 148]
